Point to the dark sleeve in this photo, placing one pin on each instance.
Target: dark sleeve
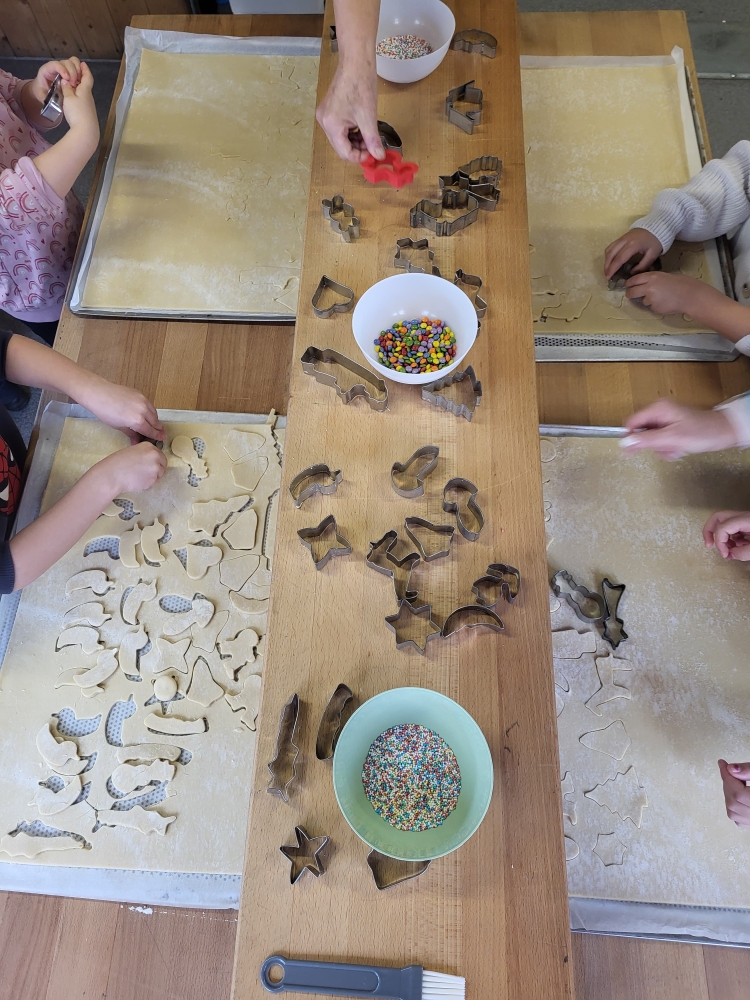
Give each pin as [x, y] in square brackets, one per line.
[5, 336]
[7, 569]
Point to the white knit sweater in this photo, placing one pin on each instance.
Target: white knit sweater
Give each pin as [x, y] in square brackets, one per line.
[715, 202]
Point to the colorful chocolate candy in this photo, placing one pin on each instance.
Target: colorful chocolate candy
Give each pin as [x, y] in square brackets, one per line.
[416, 346]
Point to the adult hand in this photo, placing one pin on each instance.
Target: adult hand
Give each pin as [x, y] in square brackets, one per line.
[673, 431]
[351, 106]
[633, 242]
[736, 792]
[729, 532]
[69, 70]
[124, 409]
[130, 470]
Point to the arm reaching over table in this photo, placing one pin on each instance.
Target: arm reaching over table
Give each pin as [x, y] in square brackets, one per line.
[352, 99]
[673, 431]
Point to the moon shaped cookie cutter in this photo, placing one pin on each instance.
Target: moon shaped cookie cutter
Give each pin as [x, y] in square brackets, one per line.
[453, 623]
[430, 454]
[578, 597]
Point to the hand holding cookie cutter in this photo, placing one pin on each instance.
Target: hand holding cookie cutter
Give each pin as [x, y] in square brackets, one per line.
[454, 507]
[368, 385]
[283, 767]
[432, 393]
[348, 225]
[474, 40]
[393, 169]
[469, 94]
[52, 107]
[429, 453]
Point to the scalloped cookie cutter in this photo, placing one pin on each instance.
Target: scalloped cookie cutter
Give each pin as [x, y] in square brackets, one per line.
[430, 453]
[431, 393]
[315, 356]
[300, 492]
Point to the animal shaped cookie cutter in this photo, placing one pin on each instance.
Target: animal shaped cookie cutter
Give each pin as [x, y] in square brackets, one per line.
[484, 188]
[300, 492]
[392, 168]
[476, 41]
[445, 530]
[52, 106]
[454, 624]
[453, 507]
[283, 767]
[315, 356]
[338, 307]
[429, 453]
[330, 722]
[306, 847]
[474, 282]
[507, 580]
[563, 585]
[393, 563]
[390, 871]
[348, 225]
[308, 535]
[432, 393]
[487, 167]
[613, 633]
[428, 214]
[468, 94]
[407, 243]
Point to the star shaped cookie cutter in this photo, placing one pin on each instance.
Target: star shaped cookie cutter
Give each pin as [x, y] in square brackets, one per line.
[338, 307]
[308, 535]
[348, 225]
[474, 40]
[313, 475]
[429, 453]
[404, 613]
[475, 282]
[428, 214]
[369, 384]
[305, 855]
[468, 94]
[407, 243]
[393, 169]
[432, 393]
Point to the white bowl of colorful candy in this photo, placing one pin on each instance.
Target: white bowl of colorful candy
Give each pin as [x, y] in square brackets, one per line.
[444, 335]
[415, 35]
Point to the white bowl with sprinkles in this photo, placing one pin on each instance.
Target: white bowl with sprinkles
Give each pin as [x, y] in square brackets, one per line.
[413, 37]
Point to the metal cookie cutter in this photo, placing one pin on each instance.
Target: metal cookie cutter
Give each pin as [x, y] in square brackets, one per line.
[407, 243]
[389, 136]
[406, 612]
[474, 282]
[488, 168]
[427, 214]
[614, 633]
[579, 598]
[330, 722]
[393, 565]
[432, 393]
[338, 307]
[52, 107]
[313, 474]
[389, 871]
[474, 40]
[469, 94]
[305, 854]
[430, 453]
[483, 189]
[368, 385]
[283, 767]
[500, 577]
[444, 531]
[307, 535]
[453, 507]
[482, 617]
[347, 226]
[624, 272]
[333, 38]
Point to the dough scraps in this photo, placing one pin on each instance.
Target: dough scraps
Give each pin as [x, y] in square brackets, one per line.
[24, 845]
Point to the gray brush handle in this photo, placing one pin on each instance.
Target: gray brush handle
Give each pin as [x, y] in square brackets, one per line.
[335, 979]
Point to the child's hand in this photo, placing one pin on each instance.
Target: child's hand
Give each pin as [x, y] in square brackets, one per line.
[123, 408]
[674, 293]
[729, 531]
[736, 793]
[633, 242]
[78, 103]
[672, 430]
[69, 70]
[130, 470]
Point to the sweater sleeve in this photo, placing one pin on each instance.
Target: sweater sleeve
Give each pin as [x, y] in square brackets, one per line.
[25, 196]
[711, 204]
[737, 411]
[7, 570]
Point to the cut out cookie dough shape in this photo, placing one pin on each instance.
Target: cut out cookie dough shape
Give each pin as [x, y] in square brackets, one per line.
[127, 777]
[572, 850]
[165, 655]
[609, 690]
[609, 849]
[568, 791]
[130, 646]
[247, 606]
[209, 515]
[171, 725]
[148, 751]
[240, 444]
[200, 558]
[613, 740]
[22, 845]
[53, 753]
[89, 579]
[204, 638]
[48, 802]
[570, 645]
[241, 532]
[92, 613]
[258, 587]
[151, 535]
[89, 680]
[240, 650]
[165, 687]
[623, 795]
[137, 818]
[80, 635]
[234, 573]
[140, 594]
[247, 701]
[200, 614]
[248, 473]
[129, 541]
[184, 448]
[203, 688]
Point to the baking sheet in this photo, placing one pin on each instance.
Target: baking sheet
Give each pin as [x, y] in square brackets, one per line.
[294, 203]
[685, 873]
[648, 337]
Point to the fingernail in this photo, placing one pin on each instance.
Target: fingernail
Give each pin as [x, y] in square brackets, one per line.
[734, 767]
[629, 441]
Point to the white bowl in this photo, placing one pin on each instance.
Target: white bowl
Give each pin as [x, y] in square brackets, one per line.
[428, 19]
[406, 296]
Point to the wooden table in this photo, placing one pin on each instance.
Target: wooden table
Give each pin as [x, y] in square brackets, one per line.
[55, 949]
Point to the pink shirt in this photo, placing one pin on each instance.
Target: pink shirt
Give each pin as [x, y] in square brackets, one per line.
[38, 229]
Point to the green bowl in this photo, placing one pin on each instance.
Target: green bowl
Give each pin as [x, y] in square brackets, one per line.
[427, 708]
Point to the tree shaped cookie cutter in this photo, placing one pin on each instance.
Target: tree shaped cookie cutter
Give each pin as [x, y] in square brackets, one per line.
[407, 243]
[474, 282]
[429, 453]
[330, 722]
[468, 94]
[338, 307]
[283, 767]
[308, 535]
[501, 576]
[476, 41]
[428, 214]
[563, 585]
[447, 531]
[454, 507]
[313, 474]
[369, 382]
[347, 226]
[432, 393]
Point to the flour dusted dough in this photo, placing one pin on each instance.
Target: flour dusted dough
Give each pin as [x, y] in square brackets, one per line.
[207, 205]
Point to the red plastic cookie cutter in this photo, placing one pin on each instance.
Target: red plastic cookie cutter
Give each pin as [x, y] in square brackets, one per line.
[393, 169]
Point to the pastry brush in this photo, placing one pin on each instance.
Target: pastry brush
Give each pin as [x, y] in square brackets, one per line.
[336, 979]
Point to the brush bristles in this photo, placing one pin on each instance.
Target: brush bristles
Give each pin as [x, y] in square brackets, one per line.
[439, 986]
